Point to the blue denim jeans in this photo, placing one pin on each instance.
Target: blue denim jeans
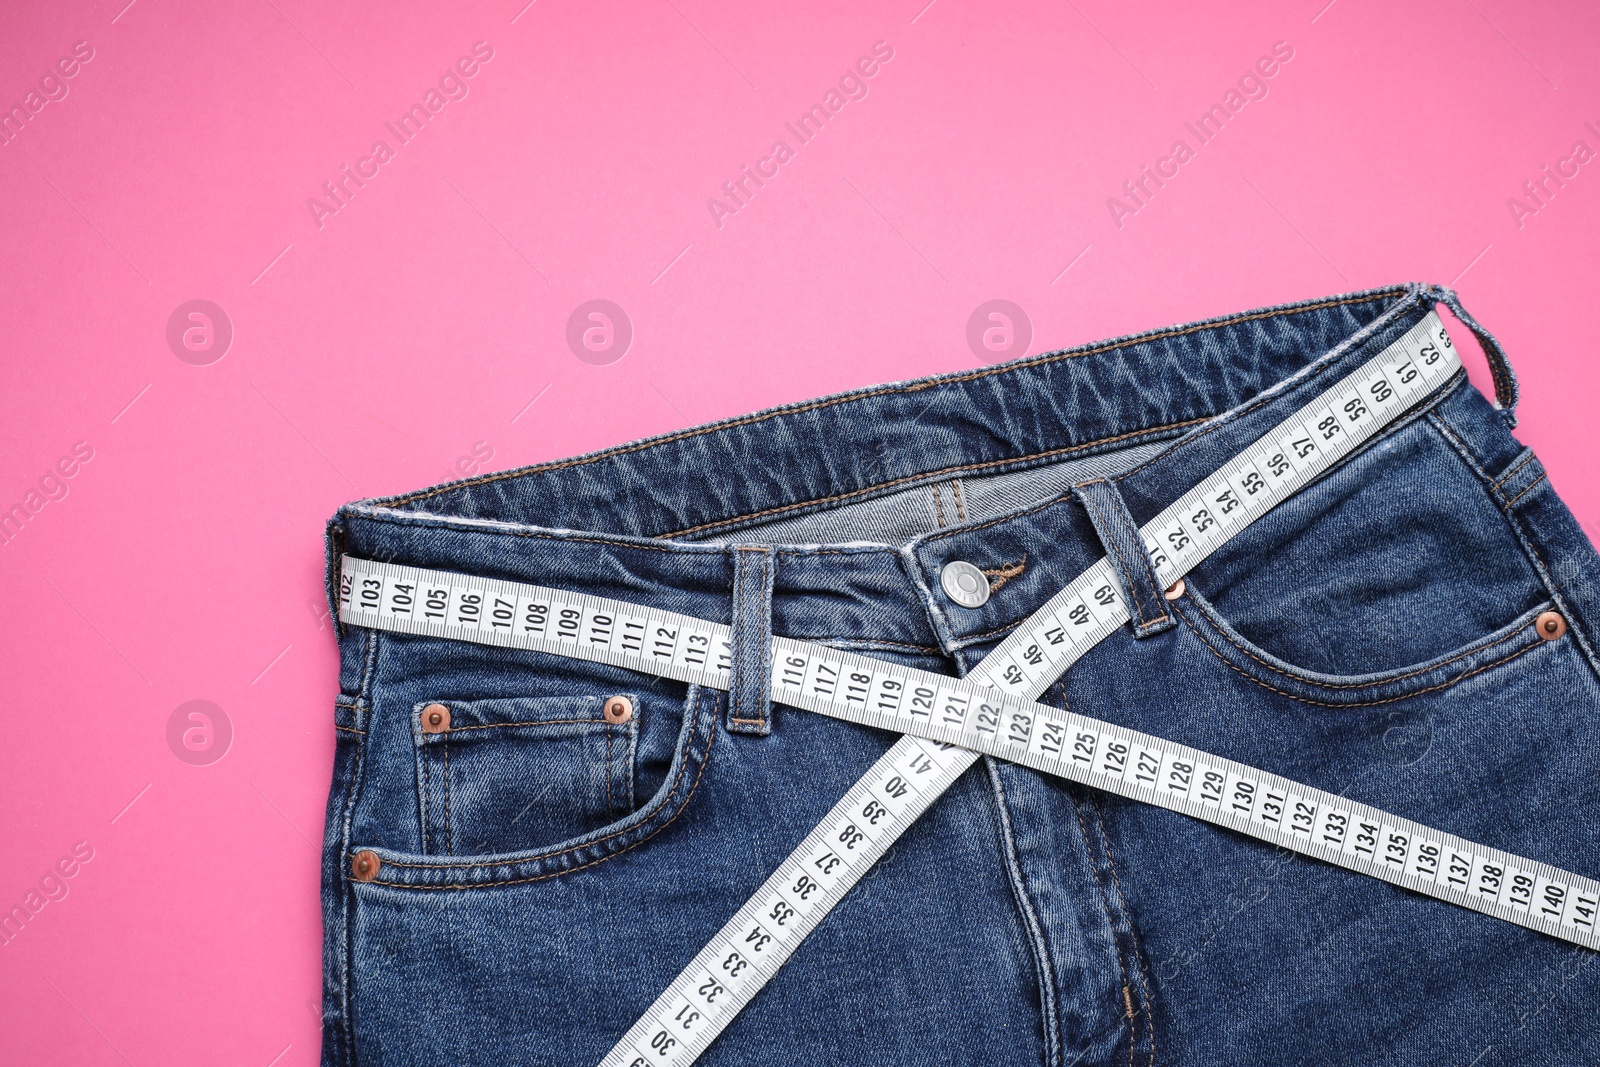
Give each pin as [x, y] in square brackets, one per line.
[548, 870]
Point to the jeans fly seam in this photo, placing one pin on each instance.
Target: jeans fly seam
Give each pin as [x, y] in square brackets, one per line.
[1105, 908]
[999, 576]
[1133, 937]
[1036, 936]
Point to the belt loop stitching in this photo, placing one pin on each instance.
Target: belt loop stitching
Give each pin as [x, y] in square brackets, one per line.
[1112, 522]
[750, 681]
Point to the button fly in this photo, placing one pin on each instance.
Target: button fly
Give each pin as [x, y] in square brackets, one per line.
[965, 584]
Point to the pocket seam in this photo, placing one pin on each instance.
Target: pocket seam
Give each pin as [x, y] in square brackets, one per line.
[1448, 683]
[441, 748]
[555, 874]
[1386, 679]
[709, 720]
[539, 722]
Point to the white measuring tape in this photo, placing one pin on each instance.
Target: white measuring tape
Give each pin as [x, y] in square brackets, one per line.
[950, 721]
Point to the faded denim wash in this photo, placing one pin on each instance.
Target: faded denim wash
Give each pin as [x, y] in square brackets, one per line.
[546, 873]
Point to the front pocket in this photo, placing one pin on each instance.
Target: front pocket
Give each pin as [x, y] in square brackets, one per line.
[1509, 643]
[670, 787]
[515, 773]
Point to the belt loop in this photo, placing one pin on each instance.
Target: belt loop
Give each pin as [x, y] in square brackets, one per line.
[1505, 379]
[1125, 548]
[750, 680]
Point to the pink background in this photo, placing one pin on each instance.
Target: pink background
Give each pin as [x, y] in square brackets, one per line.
[403, 339]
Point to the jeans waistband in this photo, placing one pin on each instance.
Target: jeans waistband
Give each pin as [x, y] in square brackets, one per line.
[658, 521]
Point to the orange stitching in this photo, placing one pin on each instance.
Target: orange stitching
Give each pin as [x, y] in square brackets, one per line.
[915, 387]
[1002, 574]
[349, 729]
[1105, 906]
[711, 730]
[554, 874]
[1531, 487]
[1127, 1001]
[748, 722]
[1506, 477]
[1138, 959]
[1143, 622]
[1364, 703]
[1441, 392]
[1472, 650]
[961, 506]
[942, 471]
[938, 505]
[449, 841]
[766, 641]
[536, 722]
[994, 632]
[1090, 502]
[426, 806]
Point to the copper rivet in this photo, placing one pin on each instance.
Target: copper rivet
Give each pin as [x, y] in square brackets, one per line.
[365, 865]
[618, 710]
[1175, 590]
[435, 719]
[1552, 625]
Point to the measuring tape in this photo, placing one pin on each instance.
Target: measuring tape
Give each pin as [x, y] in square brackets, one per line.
[949, 722]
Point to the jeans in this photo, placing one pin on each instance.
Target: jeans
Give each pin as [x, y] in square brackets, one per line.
[548, 865]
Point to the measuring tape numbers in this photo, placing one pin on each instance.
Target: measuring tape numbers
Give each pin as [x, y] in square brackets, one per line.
[948, 722]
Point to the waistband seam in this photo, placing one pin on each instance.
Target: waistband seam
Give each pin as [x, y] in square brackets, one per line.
[912, 387]
[941, 473]
[461, 524]
[1324, 363]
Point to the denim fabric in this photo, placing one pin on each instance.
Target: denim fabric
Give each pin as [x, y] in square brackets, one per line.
[545, 874]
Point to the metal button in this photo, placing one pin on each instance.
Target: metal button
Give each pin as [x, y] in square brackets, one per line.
[1552, 625]
[618, 710]
[965, 584]
[1175, 590]
[365, 865]
[435, 719]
